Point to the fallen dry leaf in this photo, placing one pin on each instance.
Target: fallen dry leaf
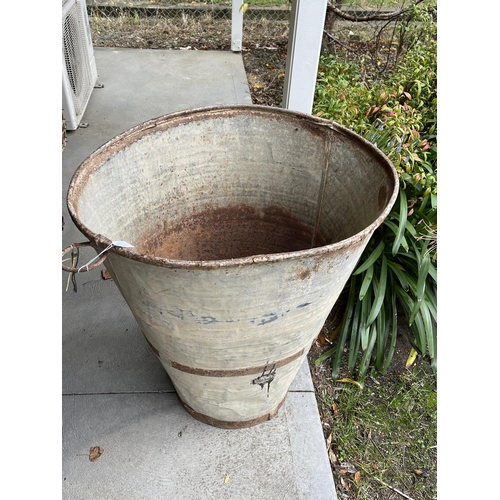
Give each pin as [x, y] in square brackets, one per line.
[327, 337]
[332, 457]
[420, 473]
[95, 453]
[105, 274]
[357, 477]
[329, 441]
[322, 339]
[351, 381]
[344, 483]
[226, 478]
[331, 454]
[411, 357]
[336, 410]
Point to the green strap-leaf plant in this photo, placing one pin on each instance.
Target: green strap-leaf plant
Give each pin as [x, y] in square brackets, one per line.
[397, 272]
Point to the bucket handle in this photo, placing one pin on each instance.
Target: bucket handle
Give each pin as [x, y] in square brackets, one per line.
[84, 268]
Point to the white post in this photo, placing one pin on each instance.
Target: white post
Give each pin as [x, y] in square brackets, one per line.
[307, 20]
[236, 26]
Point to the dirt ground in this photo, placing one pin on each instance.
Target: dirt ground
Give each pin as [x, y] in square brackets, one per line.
[265, 68]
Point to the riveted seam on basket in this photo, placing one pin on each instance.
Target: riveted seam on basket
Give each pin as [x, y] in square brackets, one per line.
[322, 188]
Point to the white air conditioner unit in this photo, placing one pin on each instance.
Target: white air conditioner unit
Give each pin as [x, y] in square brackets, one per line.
[79, 72]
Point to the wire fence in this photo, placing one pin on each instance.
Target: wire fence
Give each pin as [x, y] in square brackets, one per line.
[206, 24]
[276, 10]
[173, 24]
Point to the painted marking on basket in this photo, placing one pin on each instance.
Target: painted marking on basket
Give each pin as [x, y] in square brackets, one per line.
[266, 378]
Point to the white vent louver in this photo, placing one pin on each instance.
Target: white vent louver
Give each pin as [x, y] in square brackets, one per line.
[79, 73]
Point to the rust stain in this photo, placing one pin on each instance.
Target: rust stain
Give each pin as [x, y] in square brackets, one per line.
[229, 233]
[303, 274]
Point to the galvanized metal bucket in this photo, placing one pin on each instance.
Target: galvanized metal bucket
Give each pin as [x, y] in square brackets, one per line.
[246, 222]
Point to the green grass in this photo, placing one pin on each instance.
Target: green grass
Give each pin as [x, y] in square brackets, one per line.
[384, 437]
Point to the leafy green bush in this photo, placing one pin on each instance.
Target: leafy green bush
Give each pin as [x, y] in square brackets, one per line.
[398, 269]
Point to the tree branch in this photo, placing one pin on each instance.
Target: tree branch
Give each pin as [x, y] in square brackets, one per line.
[388, 16]
[336, 40]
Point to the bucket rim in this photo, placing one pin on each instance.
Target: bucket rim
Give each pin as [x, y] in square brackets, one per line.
[155, 124]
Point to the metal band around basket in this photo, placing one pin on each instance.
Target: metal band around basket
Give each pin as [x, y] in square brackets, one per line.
[237, 372]
[231, 424]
